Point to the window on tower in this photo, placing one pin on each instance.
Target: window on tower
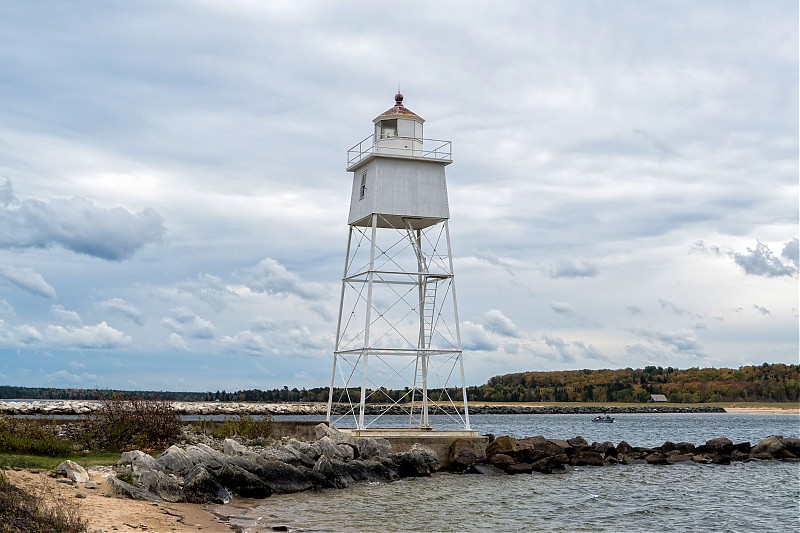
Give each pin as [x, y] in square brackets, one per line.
[363, 185]
[388, 128]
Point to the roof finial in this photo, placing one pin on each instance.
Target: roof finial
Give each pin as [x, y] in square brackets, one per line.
[398, 98]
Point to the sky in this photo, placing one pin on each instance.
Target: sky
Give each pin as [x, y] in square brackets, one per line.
[174, 199]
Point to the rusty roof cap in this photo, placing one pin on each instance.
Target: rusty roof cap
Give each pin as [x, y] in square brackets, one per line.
[398, 110]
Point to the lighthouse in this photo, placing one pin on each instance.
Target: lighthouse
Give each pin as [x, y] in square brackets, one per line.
[398, 342]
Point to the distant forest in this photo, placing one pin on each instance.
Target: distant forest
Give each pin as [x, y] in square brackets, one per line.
[763, 383]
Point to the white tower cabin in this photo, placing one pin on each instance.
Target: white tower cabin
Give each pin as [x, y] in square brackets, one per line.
[398, 344]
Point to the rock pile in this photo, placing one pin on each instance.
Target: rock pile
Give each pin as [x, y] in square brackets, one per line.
[198, 473]
[538, 454]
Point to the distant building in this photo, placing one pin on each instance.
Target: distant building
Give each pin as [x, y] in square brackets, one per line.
[658, 398]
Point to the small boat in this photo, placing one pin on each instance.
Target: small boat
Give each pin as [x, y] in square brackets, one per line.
[606, 418]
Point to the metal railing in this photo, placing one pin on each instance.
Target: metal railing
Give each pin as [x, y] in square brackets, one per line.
[442, 150]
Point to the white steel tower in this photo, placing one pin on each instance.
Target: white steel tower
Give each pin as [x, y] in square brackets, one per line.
[398, 344]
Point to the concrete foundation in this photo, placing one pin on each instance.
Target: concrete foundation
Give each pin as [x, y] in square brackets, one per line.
[402, 439]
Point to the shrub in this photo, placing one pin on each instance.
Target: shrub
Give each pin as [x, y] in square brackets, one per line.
[21, 511]
[29, 436]
[132, 422]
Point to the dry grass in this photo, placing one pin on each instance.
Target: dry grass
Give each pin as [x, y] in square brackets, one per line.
[39, 512]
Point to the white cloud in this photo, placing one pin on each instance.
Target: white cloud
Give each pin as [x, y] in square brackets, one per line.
[28, 280]
[496, 322]
[121, 307]
[186, 323]
[474, 337]
[176, 342]
[77, 225]
[65, 316]
[270, 337]
[271, 277]
[209, 289]
[572, 268]
[98, 336]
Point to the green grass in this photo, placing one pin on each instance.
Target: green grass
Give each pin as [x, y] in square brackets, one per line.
[41, 462]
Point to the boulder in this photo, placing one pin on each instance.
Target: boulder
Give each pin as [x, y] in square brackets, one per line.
[326, 446]
[501, 460]
[201, 487]
[792, 445]
[544, 447]
[587, 458]
[464, 453]
[206, 456]
[657, 458]
[486, 470]
[606, 449]
[73, 471]
[282, 477]
[373, 448]
[720, 445]
[770, 448]
[675, 456]
[338, 437]
[624, 448]
[239, 481]
[338, 473]
[548, 465]
[577, 442]
[166, 486]
[138, 461]
[519, 468]
[175, 460]
[505, 445]
[419, 461]
[685, 447]
[125, 490]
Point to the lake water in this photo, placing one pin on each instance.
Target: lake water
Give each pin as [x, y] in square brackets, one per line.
[756, 496]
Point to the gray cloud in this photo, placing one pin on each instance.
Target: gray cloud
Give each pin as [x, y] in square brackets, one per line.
[572, 268]
[186, 323]
[495, 260]
[665, 304]
[475, 337]
[121, 307]
[632, 309]
[496, 322]
[209, 289]
[271, 277]
[270, 337]
[678, 341]
[760, 261]
[562, 308]
[28, 280]
[763, 310]
[77, 225]
[65, 316]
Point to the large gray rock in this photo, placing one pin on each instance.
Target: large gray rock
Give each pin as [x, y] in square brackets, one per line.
[126, 490]
[772, 447]
[282, 477]
[201, 487]
[373, 448]
[419, 461]
[720, 445]
[239, 481]
[166, 486]
[338, 437]
[206, 456]
[487, 470]
[73, 471]
[587, 457]
[138, 461]
[338, 473]
[174, 460]
[326, 446]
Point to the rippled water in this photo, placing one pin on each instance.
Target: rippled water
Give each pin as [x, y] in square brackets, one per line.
[757, 496]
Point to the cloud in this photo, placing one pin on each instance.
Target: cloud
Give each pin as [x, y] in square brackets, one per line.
[186, 323]
[18, 335]
[763, 310]
[475, 337]
[28, 280]
[270, 277]
[496, 322]
[760, 261]
[77, 225]
[177, 342]
[98, 336]
[270, 337]
[572, 268]
[495, 260]
[65, 316]
[209, 289]
[791, 252]
[632, 309]
[665, 304]
[121, 307]
[562, 308]
[677, 341]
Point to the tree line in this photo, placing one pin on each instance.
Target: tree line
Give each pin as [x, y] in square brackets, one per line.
[761, 383]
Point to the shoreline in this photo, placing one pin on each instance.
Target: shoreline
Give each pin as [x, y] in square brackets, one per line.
[109, 514]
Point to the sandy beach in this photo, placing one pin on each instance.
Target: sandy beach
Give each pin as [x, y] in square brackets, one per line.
[762, 411]
[109, 514]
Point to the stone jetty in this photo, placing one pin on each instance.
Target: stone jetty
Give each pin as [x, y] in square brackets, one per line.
[201, 473]
[82, 407]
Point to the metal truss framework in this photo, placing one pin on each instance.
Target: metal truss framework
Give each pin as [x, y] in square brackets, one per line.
[398, 325]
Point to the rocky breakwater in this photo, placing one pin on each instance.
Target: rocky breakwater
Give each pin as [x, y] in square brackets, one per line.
[83, 407]
[507, 455]
[199, 473]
